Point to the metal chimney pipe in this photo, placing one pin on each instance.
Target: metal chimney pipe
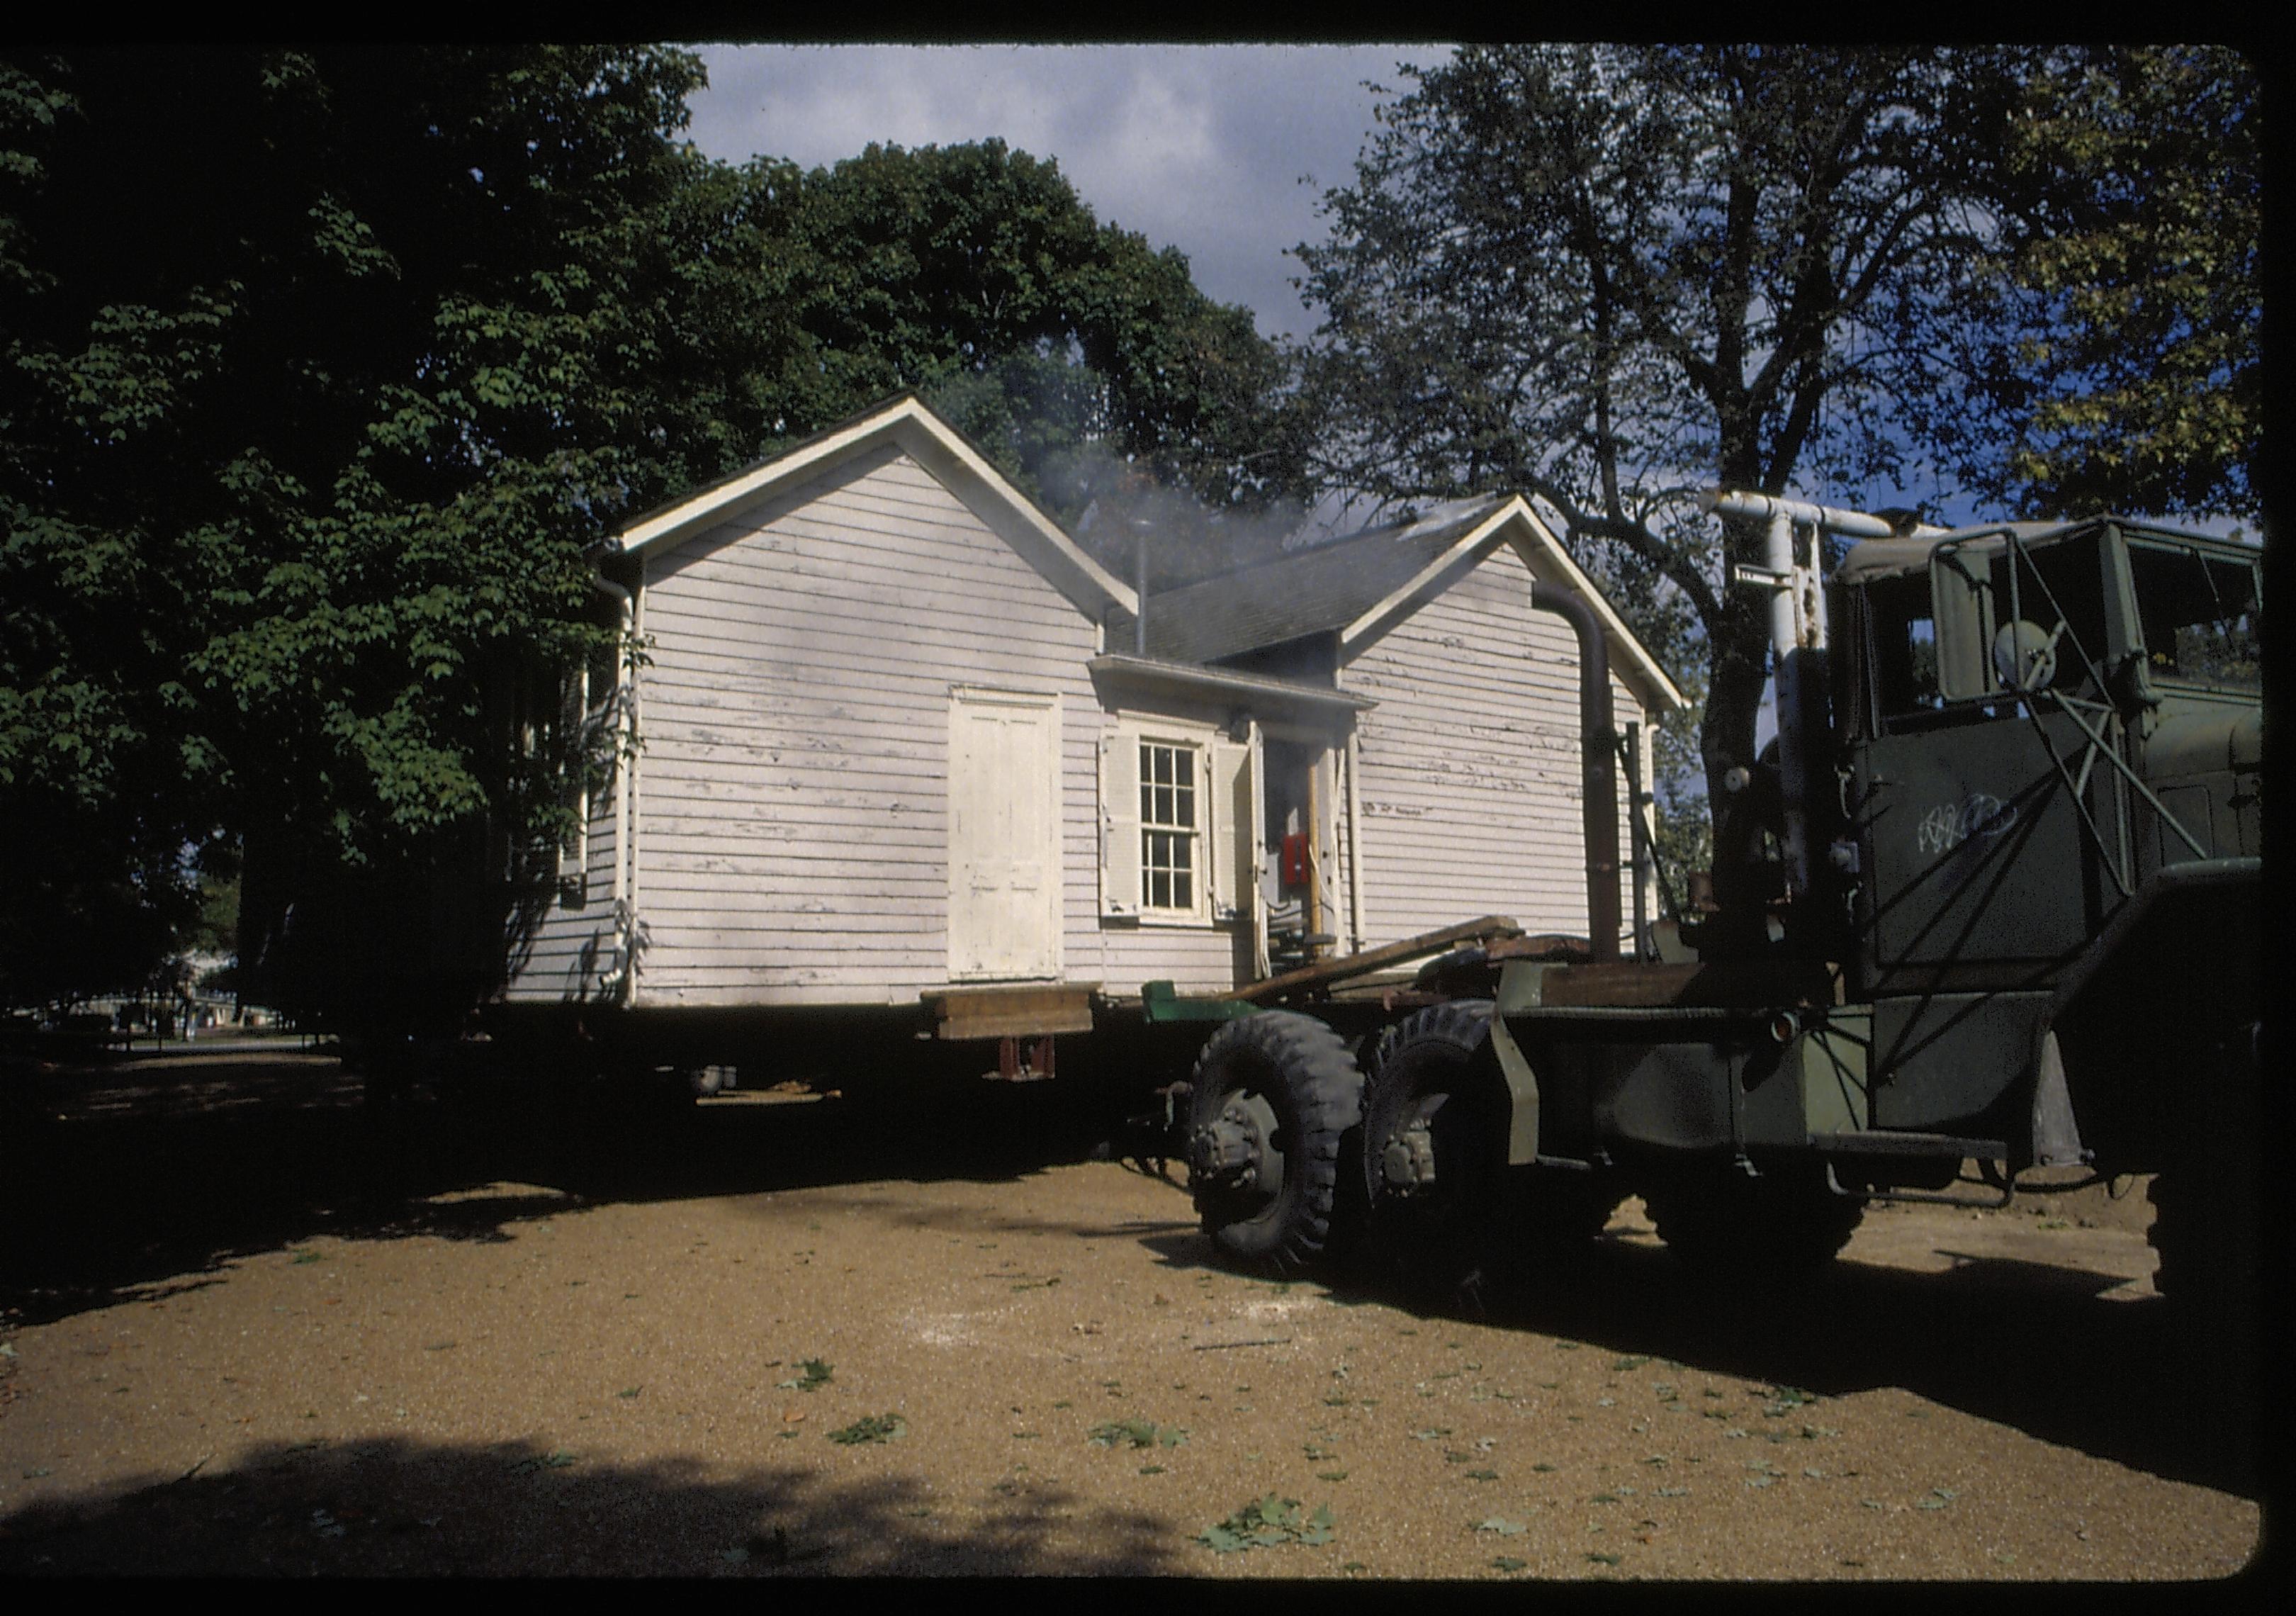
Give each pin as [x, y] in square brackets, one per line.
[1140, 575]
[1597, 742]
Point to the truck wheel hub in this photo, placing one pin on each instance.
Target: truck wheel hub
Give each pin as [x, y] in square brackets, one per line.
[1408, 1161]
[1229, 1150]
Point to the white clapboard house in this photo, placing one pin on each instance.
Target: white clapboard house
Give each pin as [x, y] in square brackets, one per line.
[898, 743]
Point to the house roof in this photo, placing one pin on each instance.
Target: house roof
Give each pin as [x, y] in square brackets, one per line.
[1362, 585]
[904, 421]
[1319, 588]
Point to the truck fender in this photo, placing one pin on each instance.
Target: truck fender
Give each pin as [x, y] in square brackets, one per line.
[1519, 989]
[2057, 1134]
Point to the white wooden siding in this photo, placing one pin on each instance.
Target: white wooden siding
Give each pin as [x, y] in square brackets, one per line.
[1470, 784]
[570, 954]
[794, 847]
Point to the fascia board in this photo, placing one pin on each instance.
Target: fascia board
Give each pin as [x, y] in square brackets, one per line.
[1016, 519]
[1463, 555]
[716, 505]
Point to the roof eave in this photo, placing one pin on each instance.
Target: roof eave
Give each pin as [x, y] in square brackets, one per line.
[1192, 679]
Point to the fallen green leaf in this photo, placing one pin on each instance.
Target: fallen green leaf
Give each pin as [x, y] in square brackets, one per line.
[871, 1428]
[1137, 1433]
[815, 1375]
[1264, 1524]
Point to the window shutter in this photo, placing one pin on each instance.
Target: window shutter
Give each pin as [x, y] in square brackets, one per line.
[1120, 824]
[1229, 855]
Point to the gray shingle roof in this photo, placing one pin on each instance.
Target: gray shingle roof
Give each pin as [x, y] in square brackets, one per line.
[1322, 586]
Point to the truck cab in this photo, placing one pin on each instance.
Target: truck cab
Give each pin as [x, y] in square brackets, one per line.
[2048, 755]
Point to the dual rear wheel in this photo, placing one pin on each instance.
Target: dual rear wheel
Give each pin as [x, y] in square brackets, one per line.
[1299, 1157]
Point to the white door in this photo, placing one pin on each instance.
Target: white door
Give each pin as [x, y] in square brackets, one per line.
[1004, 836]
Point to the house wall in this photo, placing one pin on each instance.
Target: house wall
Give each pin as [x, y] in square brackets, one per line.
[1470, 768]
[793, 847]
[567, 951]
[790, 794]
[1200, 956]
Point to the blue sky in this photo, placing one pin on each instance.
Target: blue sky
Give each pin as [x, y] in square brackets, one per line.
[1200, 147]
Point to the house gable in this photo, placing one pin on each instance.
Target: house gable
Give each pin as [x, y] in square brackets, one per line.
[941, 449]
[1361, 587]
[1471, 767]
[815, 654]
[1514, 523]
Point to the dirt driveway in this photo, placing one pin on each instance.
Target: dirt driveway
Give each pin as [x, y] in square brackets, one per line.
[250, 1333]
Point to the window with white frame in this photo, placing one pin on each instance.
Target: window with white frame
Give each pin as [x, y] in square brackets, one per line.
[1172, 793]
[1171, 861]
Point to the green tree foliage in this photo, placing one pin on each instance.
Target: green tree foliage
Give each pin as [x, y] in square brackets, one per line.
[1075, 353]
[2133, 190]
[323, 371]
[1607, 275]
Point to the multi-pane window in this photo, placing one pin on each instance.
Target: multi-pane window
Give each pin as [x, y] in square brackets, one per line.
[1168, 859]
[2200, 616]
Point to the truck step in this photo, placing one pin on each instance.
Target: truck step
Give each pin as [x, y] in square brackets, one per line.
[1879, 1142]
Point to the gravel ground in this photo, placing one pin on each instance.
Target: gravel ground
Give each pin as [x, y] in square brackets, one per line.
[250, 1333]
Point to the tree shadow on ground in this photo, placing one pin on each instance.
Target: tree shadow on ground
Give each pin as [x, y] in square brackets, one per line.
[394, 1506]
[140, 1173]
[2034, 1347]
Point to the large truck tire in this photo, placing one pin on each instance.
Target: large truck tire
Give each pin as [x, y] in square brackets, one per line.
[1724, 1225]
[1434, 1157]
[1448, 1216]
[2206, 1209]
[1273, 1117]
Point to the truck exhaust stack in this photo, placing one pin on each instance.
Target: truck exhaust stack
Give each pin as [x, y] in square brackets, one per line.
[1598, 740]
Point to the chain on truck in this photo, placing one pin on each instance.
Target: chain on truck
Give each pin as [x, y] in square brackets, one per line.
[1988, 903]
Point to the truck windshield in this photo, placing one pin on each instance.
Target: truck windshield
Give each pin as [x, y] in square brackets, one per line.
[2200, 615]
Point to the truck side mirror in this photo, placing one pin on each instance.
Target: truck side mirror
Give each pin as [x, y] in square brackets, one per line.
[2025, 656]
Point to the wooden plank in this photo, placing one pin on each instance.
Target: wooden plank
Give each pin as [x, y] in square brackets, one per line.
[1033, 1011]
[1326, 971]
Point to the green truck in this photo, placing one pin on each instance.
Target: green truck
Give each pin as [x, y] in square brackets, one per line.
[1990, 902]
